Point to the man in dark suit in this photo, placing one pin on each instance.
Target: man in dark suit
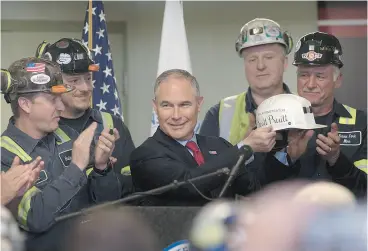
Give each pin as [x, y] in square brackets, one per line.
[175, 152]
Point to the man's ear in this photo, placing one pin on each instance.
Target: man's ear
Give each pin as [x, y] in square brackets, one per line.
[200, 102]
[25, 104]
[338, 81]
[154, 105]
[286, 63]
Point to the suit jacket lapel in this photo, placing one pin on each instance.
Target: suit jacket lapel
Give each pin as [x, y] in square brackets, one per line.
[175, 147]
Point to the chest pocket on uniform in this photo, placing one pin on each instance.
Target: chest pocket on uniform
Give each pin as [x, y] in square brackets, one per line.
[66, 157]
[42, 178]
[64, 147]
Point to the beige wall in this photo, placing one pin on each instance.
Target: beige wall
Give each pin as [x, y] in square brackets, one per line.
[212, 28]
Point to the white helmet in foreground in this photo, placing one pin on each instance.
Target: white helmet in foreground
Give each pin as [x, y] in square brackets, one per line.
[286, 111]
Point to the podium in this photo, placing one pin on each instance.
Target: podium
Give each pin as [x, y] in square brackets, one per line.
[169, 224]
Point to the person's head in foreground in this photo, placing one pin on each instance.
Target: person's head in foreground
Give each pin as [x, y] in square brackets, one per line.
[112, 229]
[282, 214]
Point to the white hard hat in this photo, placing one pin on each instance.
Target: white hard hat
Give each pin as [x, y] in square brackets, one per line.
[262, 31]
[286, 111]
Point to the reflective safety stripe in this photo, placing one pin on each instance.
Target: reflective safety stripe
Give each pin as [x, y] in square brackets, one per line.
[233, 118]
[25, 205]
[89, 170]
[362, 164]
[62, 136]
[107, 120]
[13, 147]
[226, 114]
[348, 121]
[125, 171]
[8, 79]
[41, 50]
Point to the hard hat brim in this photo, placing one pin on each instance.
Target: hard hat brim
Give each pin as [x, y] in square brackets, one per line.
[311, 127]
[60, 89]
[93, 67]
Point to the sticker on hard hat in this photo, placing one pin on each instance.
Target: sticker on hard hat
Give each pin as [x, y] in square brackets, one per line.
[47, 56]
[40, 79]
[35, 67]
[64, 58]
[273, 117]
[255, 31]
[62, 44]
[272, 31]
[256, 38]
[79, 56]
[311, 55]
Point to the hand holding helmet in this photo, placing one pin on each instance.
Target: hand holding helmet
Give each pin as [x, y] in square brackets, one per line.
[292, 118]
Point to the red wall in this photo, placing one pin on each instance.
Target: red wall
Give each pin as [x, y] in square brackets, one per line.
[343, 19]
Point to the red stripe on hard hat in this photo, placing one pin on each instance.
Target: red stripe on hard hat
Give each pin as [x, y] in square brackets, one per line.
[345, 31]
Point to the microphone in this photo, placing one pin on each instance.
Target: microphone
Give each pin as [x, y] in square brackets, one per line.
[246, 153]
[157, 191]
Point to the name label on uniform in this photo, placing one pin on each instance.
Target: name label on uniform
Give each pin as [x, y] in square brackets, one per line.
[353, 138]
[66, 157]
[42, 177]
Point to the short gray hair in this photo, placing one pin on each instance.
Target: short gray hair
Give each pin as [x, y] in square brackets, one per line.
[176, 73]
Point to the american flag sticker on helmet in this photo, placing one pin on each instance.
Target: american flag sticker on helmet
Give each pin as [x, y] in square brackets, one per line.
[35, 67]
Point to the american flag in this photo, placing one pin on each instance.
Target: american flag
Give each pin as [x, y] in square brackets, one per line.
[105, 94]
[35, 67]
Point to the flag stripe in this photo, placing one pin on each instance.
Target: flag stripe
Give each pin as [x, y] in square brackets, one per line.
[35, 67]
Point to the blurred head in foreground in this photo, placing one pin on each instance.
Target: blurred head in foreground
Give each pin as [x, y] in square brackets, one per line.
[11, 238]
[327, 194]
[283, 212]
[112, 229]
[278, 218]
[336, 229]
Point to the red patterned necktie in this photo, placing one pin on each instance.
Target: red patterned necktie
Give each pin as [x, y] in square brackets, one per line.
[191, 145]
